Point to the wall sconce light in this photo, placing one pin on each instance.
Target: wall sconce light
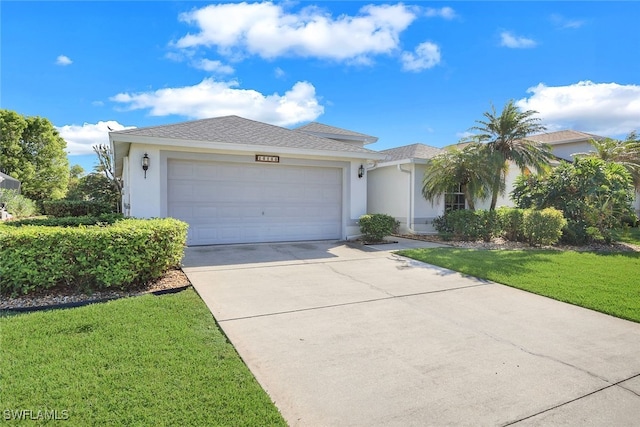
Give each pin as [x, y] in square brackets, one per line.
[361, 171]
[145, 164]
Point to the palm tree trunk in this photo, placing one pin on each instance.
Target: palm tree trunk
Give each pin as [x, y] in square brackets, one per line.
[468, 198]
[495, 189]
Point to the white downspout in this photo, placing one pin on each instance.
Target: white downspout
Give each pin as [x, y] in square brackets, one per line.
[410, 200]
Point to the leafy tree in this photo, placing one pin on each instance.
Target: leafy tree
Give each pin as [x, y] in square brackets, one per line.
[466, 168]
[75, 173]
[594, 195]
[625, 153]
[32, 151]
[106, 166]
[506, 136]
[100, 185]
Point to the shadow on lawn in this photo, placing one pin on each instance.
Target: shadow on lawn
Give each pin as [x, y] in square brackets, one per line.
[502, 263]
[476, 262]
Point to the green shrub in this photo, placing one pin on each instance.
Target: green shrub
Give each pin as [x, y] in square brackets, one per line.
[543, 227]
[511, 220]
[575, 233]
[468, 225]
[128, 253]
[69, 221]
[16, 204]
[375, 227]
[66, 208]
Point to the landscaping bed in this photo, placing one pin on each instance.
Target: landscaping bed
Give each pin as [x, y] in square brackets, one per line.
[500, 243]
[174, 279]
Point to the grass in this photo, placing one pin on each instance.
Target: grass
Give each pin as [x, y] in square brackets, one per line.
[606, 282]
[150, 360]
[630, 235]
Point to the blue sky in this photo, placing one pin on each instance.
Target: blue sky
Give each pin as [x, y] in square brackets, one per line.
[404, 72]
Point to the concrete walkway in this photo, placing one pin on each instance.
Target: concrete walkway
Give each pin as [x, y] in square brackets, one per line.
[346, 336]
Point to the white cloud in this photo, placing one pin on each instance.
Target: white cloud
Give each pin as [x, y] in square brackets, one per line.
[607, 109]
[211, 98]
[213, 66]
[444, 12]
[566, 23]
[508, 39]
[267, 30]
[63, 60]
[81, 138]
[427, 55]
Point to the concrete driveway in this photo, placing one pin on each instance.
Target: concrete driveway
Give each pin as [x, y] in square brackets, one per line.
[343, 336]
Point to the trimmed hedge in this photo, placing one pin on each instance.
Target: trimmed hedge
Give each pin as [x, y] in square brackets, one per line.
[537, 227]
[126, 254]
[66, 208]
[468, 225]
[543, 227]
[375, 227]
[511, 220]
[69, 221]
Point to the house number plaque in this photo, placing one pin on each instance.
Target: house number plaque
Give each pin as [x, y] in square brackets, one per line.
[267, 159]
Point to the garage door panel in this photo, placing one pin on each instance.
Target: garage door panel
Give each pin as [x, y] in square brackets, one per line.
[236, 203]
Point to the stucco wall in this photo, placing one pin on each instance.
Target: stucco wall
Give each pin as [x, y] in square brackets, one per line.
[388, 193]
[424, 211]
[397, 191]
[566, 151]
[503, 199]
[147, 197]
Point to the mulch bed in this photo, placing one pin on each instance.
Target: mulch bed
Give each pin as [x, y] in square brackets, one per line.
[499, 243]
[61, 296]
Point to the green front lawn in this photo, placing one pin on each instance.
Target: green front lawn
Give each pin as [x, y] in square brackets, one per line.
[609, 283]
[150, 360]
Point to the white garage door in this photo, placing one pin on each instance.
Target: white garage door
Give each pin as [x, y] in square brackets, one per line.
[245, 203]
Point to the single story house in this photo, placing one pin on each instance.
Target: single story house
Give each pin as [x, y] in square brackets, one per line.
[9, 183]
[235, 180]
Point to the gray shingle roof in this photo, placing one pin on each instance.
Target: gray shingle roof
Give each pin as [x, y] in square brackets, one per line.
[413, 151]
[238, 130]
[562, 136]
[316, 127]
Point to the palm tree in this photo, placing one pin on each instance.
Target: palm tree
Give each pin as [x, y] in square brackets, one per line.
[625, 153]
[506, 136]
[453, 168]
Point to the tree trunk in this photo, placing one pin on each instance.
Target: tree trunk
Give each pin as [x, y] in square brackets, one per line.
[468, 198]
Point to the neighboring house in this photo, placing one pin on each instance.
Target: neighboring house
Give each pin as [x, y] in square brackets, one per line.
[9, 183]
[235, 180]
[565, 144]
[395, 188]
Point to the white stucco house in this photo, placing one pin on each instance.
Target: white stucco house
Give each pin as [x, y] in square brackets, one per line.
[235, 180]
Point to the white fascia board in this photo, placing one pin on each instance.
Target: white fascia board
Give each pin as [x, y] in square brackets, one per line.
[118, 154]
[225, 146]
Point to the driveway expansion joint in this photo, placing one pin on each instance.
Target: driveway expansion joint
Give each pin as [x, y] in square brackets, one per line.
[616, 384]
[391, 297]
